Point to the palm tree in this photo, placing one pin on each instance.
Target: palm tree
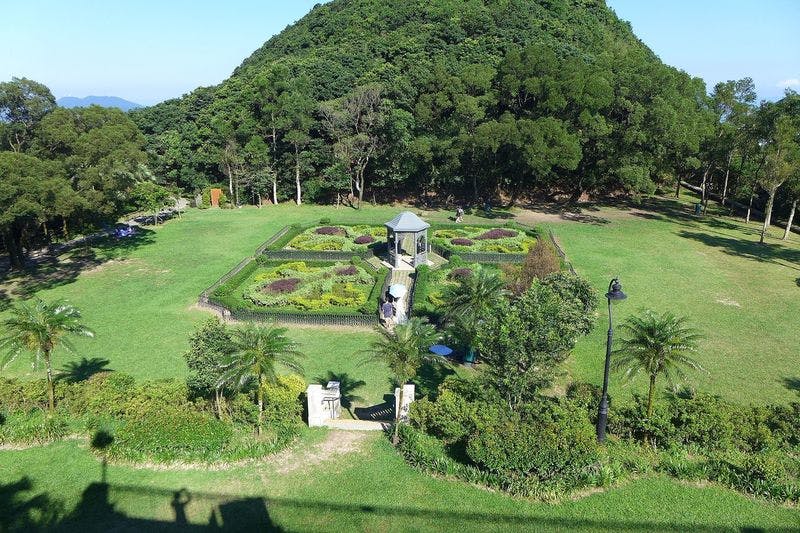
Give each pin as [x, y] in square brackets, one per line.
[468, 302]
[40, 329]
[656, 345]
[404, 350]
[257, 350]
[347, 388]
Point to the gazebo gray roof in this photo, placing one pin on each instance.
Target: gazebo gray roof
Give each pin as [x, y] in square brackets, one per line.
[407, 222]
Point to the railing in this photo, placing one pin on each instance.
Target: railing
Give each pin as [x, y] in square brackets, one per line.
[560, 252]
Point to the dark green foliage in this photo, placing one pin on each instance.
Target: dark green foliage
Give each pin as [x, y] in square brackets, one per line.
[209, 344]
[473, 97]
[523, 342]
[548, 441]
[33, 427]
[170, 434]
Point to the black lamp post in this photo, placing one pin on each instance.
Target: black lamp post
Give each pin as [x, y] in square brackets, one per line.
[614, 293]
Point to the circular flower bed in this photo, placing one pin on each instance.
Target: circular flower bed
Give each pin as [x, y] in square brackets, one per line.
[282, 286]
[462, 242]
[497, 233]
[329, 230]
[364, 239]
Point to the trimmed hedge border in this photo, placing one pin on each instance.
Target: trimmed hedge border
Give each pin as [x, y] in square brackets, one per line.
[245, 267]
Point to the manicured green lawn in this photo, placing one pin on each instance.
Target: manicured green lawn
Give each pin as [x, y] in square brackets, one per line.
[368, 489]
[142, 308]
[743, 296]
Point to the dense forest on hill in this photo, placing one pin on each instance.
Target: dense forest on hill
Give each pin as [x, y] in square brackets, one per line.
[430, 101]
[476, 98]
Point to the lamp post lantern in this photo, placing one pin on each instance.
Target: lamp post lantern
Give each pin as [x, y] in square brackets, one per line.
[614, 293]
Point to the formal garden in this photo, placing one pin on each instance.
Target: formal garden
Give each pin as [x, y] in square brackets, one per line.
[522, 421]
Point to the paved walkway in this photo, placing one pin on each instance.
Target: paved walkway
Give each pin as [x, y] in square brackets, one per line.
[358, 425]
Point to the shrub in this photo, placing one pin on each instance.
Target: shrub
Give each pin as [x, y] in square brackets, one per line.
[329, 230]
[283, 406]
[282, 286]
[23, 395]
[107, 393]
[34, 427]
[364, 239]
[461, 242]
[171, 434]
[554, 444]
[324, 221]
[496, 233]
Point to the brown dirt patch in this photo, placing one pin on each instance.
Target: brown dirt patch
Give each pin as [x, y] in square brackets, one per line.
[335, 444]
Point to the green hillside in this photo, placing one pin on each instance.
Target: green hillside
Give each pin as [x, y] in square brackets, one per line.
[478, 99]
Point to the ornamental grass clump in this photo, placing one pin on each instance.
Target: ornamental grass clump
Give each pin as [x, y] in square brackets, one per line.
[496, 233]
[329, 230]
[364, 239]
[282, 286]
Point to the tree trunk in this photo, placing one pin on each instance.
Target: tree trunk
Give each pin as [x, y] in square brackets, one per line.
[260, 405]
[230, 178]
[51, 396]
[274, 191]
[791, 220]
[703, 185]
[297, 174]
[749, 209]
[651, 391]
[65, 228]
[727, 175]
[14, 248]
[218, 402]
[768, 214]
[678, 188]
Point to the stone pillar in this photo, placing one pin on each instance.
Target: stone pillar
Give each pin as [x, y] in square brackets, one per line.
[316, 411]
[408, 398]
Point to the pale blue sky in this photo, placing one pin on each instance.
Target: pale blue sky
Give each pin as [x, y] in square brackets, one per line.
[150, 50]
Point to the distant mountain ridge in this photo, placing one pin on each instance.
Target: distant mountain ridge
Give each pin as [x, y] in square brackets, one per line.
[103, 101]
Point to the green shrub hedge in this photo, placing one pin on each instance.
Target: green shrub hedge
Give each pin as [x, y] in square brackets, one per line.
[547, 448]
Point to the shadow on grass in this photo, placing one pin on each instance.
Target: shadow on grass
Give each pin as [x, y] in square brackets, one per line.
[76, 371]
[50, 271]
[792, 383]
[378, 412]
[98, 511]
[347, 388]
[767, 252]
[430, 376]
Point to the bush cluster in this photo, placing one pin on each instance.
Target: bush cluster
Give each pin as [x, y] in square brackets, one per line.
[546, 447]
[150, 420]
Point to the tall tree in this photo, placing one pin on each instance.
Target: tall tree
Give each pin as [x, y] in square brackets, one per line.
[355, 123]
[298, 105]
[40, 329]
[523, 342]
[656, 345]
[23, 104]
[780, 162]
[256, 353]
[404, 350]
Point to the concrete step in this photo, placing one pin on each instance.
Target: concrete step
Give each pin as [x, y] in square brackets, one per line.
[359, 425]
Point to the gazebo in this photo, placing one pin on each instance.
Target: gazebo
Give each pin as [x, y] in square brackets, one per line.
[407, 235]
